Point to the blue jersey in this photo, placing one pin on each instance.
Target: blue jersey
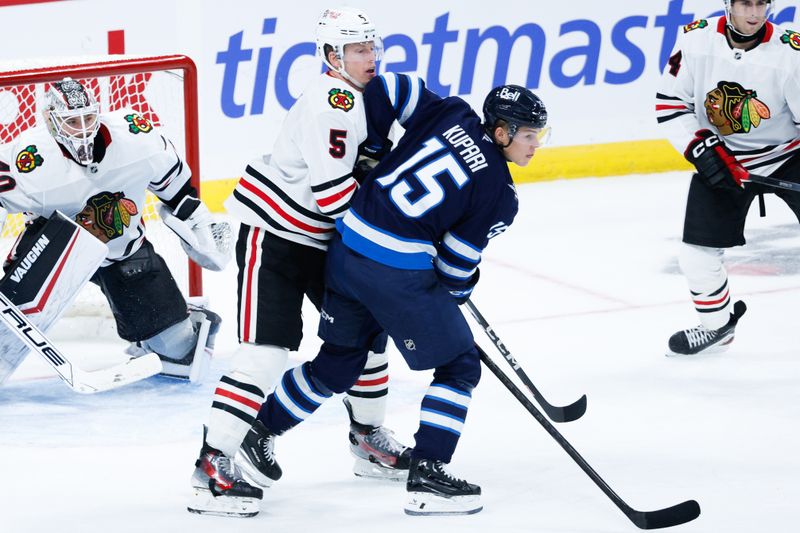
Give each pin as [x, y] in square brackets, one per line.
[436, 199]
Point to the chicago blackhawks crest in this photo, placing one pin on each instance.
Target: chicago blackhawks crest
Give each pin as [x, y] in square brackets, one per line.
[106, 215]
[28, 159]
[792, 38]
[696, 25]
[138, 124]
[341, 99]
[733, 109]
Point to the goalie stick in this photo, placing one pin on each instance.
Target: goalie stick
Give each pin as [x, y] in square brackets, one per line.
[671, 516]
[567, 413]
[77, 379]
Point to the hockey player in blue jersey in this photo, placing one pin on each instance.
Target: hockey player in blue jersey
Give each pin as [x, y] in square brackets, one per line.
[407, 253]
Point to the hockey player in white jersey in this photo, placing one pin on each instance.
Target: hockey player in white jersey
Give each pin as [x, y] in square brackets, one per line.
[729, 100]
[96, 168]
[288, 202]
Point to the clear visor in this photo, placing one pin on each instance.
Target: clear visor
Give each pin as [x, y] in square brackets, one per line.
[747, 17]
[537, 137]
[363, 52]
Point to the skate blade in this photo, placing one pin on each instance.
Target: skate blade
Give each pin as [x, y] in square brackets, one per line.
[719, 347]
[205, 503]
[251, 473]
[367, 469]
[427, 504]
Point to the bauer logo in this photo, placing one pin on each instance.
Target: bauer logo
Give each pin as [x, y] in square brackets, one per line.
[30, 258]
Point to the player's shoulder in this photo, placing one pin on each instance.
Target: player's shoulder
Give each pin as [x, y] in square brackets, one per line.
[699, 32]
[35, 153]
[786, 40]
[131, 128]
[332, 96]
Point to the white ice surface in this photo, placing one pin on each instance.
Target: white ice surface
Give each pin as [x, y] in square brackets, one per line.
[584, 291]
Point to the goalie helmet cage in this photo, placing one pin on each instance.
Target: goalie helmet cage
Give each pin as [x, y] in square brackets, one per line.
[163, 89]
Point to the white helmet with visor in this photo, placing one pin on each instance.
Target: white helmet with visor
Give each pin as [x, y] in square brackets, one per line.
[71, 113]
[345, 25]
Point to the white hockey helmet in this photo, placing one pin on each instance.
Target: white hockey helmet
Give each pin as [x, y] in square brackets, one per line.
[728, 16]
[72, 116]
[339, 26]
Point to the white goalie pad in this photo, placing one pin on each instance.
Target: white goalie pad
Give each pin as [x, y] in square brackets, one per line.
[45, 278]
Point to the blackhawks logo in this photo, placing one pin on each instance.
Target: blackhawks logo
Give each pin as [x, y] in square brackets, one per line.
[733, 109]
[138, 124]
[28, 159]
[106, 215]
[792, 38]
[341, 99]
[697, 24]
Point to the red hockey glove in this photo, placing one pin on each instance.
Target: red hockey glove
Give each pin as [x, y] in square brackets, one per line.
[715, 163]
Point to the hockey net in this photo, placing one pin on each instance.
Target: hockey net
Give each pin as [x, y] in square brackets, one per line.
[162, 89]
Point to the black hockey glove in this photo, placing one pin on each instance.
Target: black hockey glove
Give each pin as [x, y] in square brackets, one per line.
[461, 291]
[715, 163]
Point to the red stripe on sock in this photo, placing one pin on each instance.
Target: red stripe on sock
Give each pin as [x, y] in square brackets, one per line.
[241, 399]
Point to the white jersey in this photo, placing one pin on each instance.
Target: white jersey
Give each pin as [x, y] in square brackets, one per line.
[750, 98]
[299, 190]
[43, 178]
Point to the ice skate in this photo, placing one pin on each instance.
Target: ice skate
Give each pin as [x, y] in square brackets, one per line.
[219, 489]
[699, 339]
[432, 490]
[377, 453]
[256, 456]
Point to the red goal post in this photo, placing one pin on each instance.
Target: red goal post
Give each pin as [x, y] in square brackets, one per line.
[161, 88]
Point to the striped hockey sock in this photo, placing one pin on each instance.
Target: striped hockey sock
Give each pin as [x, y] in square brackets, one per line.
[297, 396]
[368, 396]
[233, 410]
[444, 409]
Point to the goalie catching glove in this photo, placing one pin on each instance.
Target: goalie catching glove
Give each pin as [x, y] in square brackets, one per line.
[206, 242]
[715, 163]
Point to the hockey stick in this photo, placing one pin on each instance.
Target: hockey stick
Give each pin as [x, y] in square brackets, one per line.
[671, 516]
[775, 182]
[76, 378]
[568, 413]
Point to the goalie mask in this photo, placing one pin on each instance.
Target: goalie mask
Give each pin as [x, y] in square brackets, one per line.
[340, 26]
[71, 114]
[747, 13]
[517, 107]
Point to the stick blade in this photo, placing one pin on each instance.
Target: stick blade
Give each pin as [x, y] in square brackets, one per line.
[671, 516]
[130, 371]
[567, 413]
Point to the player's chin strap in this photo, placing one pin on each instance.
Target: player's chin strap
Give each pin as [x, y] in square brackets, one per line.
[206, 242]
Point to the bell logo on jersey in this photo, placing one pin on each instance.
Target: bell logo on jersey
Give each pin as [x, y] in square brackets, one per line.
[341, 99]
[733, 109]
[106, 215]
[29, 159]
[697, 24]
[138, 124]
[792, 38]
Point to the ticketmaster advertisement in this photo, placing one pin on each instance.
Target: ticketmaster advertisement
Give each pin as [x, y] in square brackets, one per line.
[595, 64]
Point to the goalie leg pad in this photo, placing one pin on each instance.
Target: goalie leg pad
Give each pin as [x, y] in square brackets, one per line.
[51, 266]
[143, 295]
